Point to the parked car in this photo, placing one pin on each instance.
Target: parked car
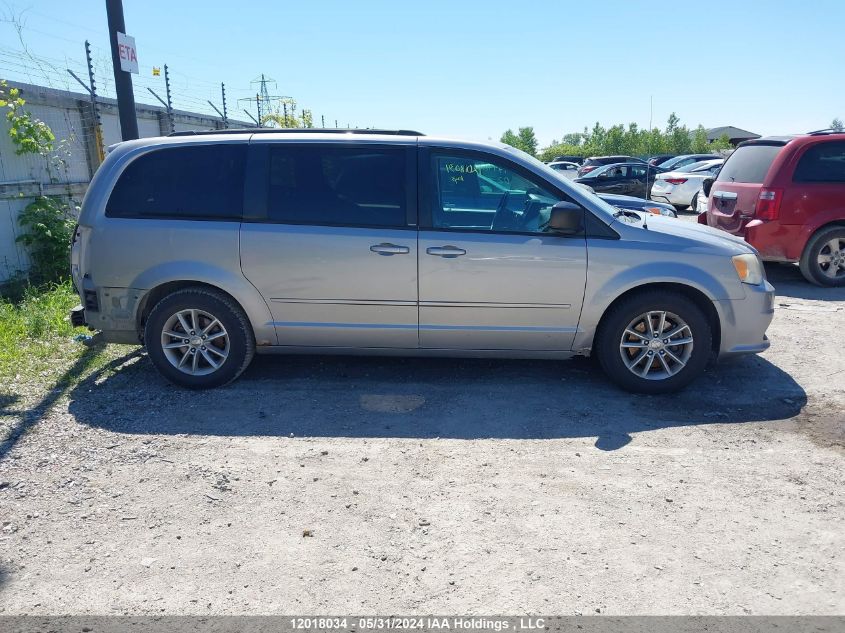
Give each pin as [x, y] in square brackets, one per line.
[568, 159]
[212, 247]
[639, 204]
[629, 179]
[681, 187]
[786, 197]
[566, 169]
[686, 159]
[595, 162]
[659, 158]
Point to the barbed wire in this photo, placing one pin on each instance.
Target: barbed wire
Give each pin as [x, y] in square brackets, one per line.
[188, 93]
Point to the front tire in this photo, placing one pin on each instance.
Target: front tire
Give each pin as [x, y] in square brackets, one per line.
[654, 342]
[823, 260]
[198, 338]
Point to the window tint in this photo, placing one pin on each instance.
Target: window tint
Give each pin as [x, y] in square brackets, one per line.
[824, 162]
[337, 185]
[637, 171]
[749, 163]
[616, 171]
[197, 182]
[482, 194]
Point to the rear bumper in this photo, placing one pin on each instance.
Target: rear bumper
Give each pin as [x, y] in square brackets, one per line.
[745, 321]
[670, 196]
[775, 241]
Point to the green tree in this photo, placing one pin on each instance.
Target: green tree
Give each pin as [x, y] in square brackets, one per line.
[721, 143]
[677, 136]
[283, 116]
[617, 139]
[527, 140]
[836, 124]
[560, 149]
[28, 134]
[573, 138]
[47, 222]
[699, 140]
[524, 139]
[509, 138]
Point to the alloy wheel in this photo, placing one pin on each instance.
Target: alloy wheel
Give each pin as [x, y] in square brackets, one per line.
[831, 258]
[195, 342]
[656, 345]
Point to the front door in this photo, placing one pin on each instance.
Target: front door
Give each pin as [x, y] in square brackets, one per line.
[491, 275]
[332, 245]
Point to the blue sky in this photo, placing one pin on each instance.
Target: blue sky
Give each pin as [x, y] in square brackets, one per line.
[469, 68]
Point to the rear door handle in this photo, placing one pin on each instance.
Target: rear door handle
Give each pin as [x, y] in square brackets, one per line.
[389, 249]
[445, 251]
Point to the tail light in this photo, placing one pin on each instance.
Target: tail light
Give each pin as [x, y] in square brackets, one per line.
[676, 181]
[588, 169]
[768, 204]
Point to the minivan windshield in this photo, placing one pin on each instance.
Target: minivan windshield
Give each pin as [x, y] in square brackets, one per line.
[749, 163]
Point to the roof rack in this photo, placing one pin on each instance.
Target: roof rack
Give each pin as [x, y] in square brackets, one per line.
[827, 130]
[310, 130]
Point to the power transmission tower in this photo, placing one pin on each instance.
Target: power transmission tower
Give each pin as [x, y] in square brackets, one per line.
[264, 100]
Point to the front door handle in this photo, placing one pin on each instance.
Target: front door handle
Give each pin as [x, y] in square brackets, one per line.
[389, 249]
[445, 251]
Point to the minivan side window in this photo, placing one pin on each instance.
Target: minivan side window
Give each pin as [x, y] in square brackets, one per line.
[481, 194]
[824, 162]
[330, 185]
[749, 163]
[197, 182]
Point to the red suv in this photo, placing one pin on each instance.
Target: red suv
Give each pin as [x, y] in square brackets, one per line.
[786, 197]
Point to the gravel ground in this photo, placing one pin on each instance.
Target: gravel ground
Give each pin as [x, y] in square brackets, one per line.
[369, 485]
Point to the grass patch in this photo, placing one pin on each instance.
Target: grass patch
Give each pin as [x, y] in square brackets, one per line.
[37, 341]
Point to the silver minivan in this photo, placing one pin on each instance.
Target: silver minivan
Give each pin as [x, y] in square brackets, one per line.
[211, 247]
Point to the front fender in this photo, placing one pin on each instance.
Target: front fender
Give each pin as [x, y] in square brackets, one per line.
[609, 277]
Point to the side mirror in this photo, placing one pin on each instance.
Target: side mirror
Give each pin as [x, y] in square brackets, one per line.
[566, 218]
[706, 185]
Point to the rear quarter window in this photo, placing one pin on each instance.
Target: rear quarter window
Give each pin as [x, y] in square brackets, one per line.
[749, 163]
[199, 182]
[824, 162]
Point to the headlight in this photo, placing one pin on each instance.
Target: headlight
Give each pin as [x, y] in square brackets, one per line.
[655, 210]
[748, 268]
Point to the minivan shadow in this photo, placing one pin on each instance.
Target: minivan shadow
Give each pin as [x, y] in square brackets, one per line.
[427, 398]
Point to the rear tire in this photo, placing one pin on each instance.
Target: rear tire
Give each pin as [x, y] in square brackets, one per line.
[823, 260]
[694, 204]
[654, 342]
[198, 338]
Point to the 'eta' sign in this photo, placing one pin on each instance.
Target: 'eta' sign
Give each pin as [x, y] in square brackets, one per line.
[127, 52]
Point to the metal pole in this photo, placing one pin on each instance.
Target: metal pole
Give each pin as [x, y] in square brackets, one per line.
[258, 107]
[323, 119]
[122, 80]
[215, 108]
[225, 115]
[169, 102]
[285, 106]
[251, 117]
[98, 128]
